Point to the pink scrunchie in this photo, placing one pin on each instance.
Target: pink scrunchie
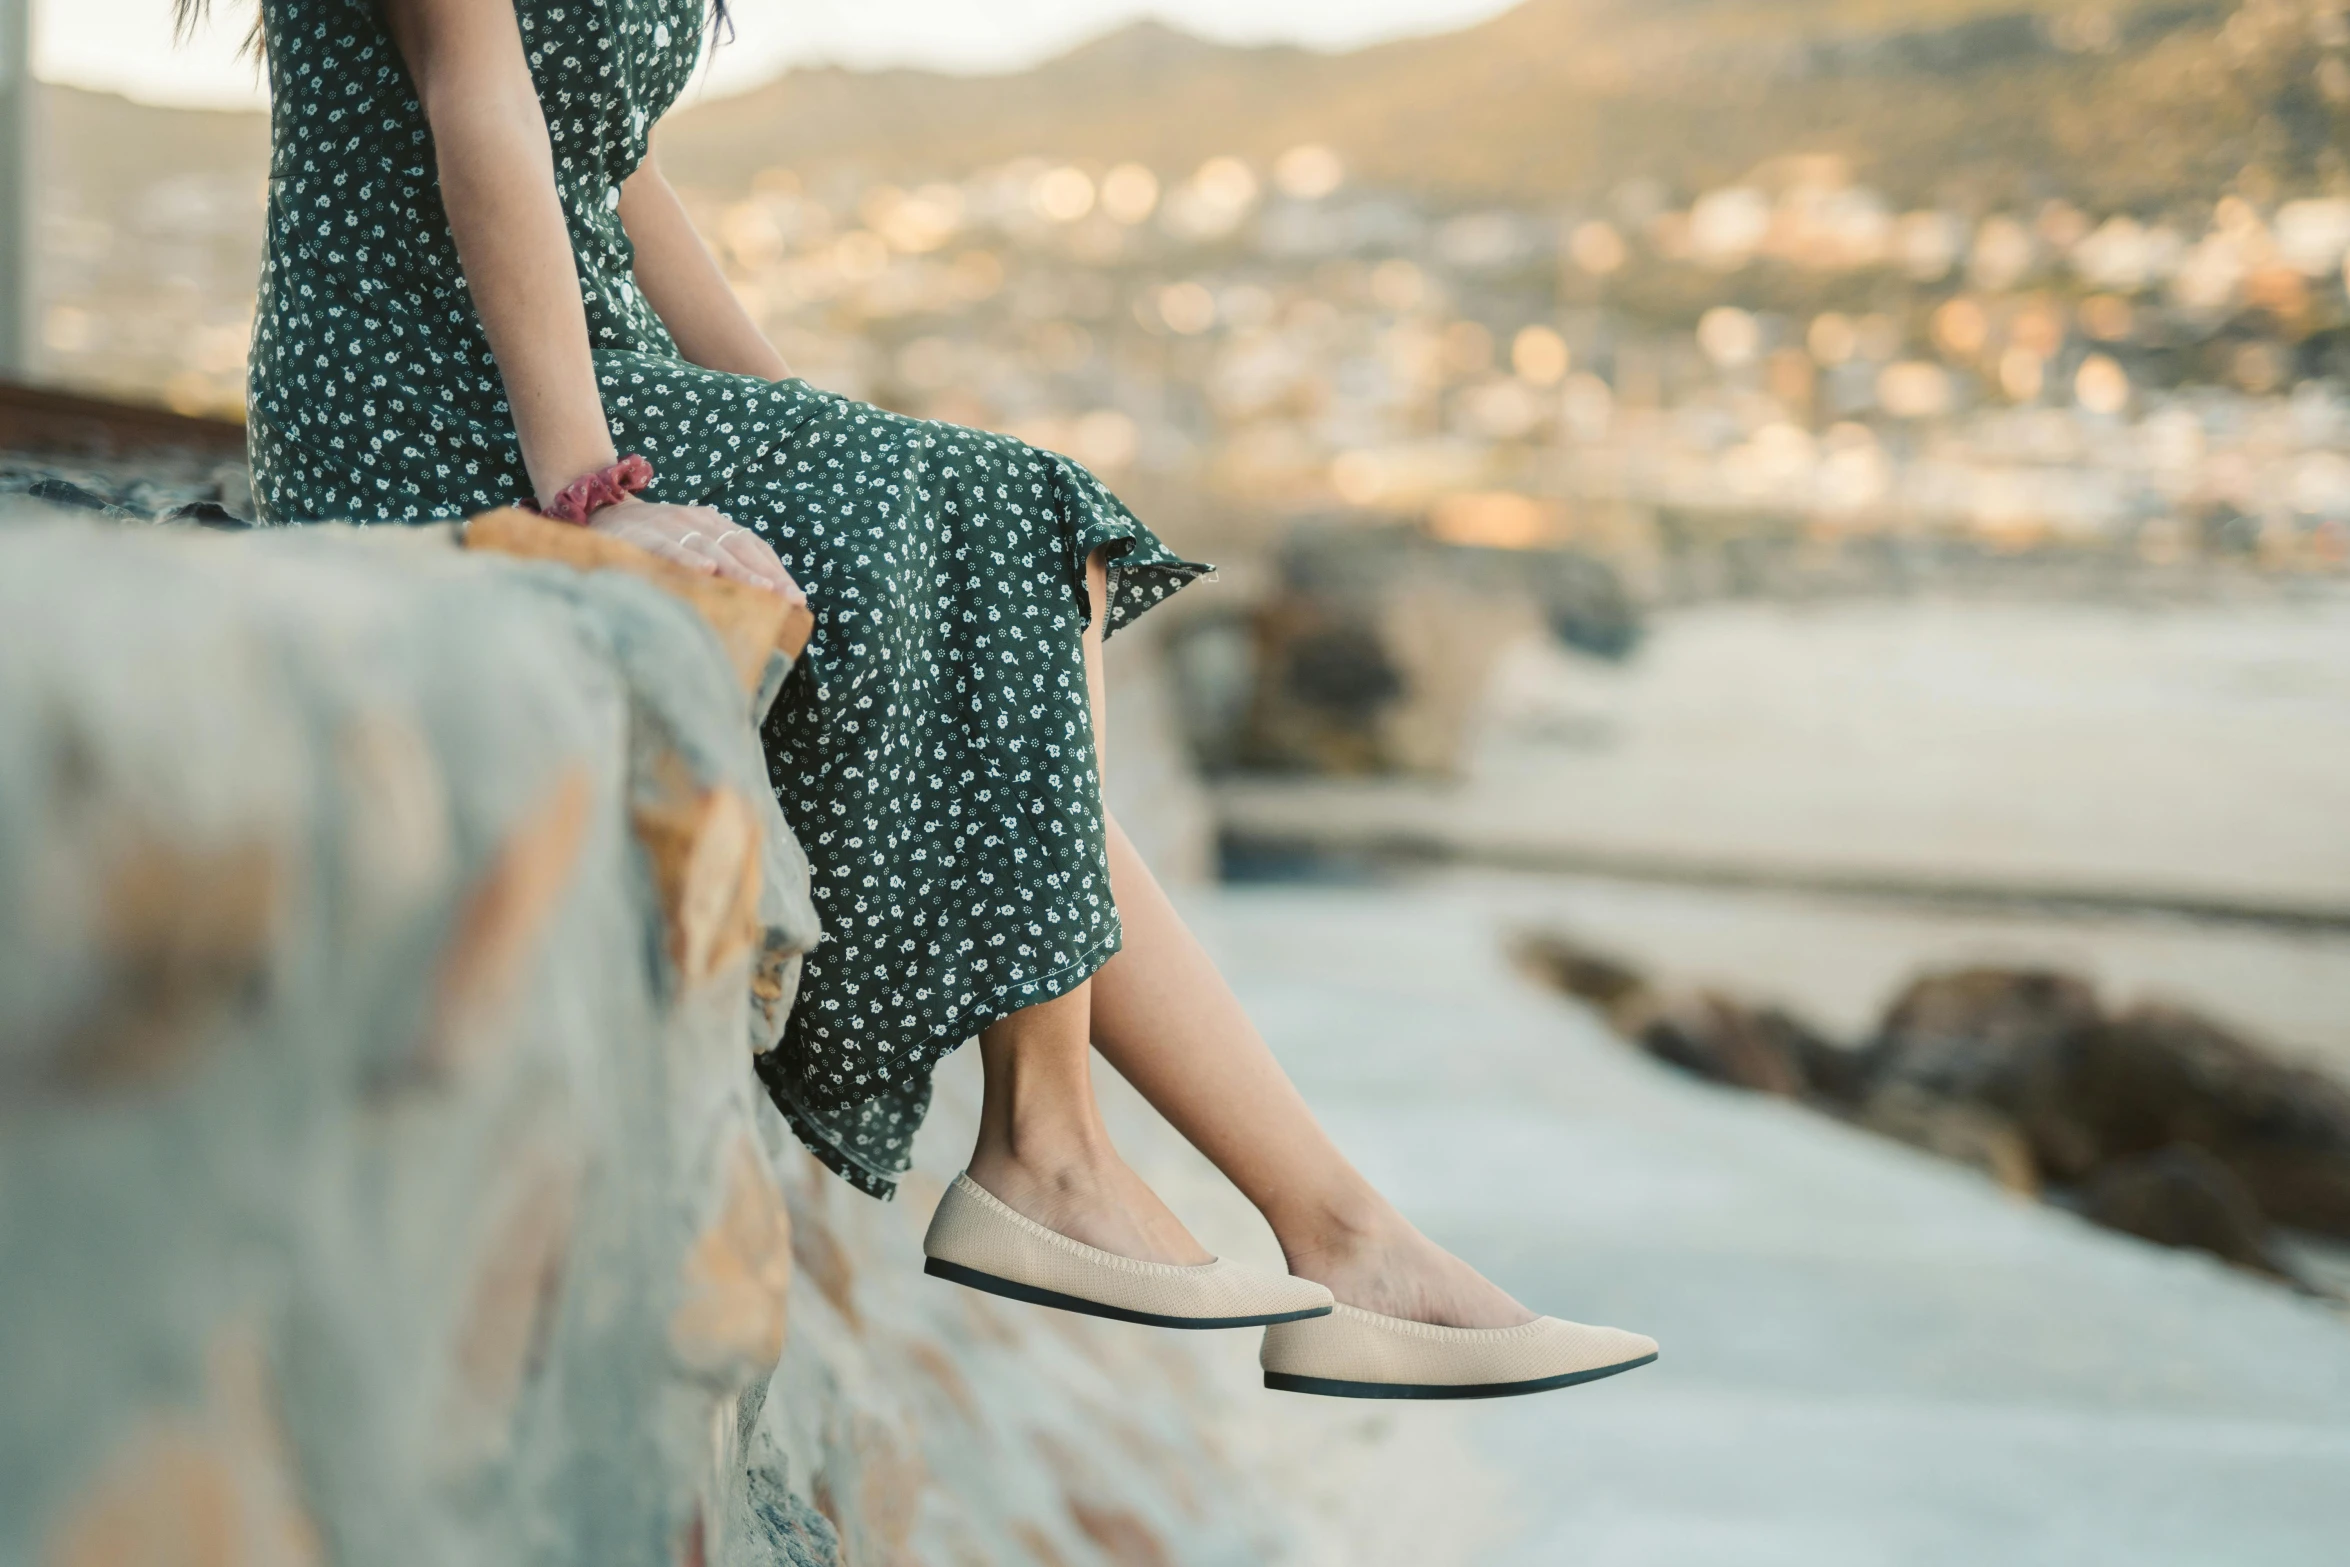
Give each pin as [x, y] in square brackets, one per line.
[583, 497]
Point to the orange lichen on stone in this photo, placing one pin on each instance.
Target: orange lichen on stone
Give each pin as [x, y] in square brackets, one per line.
[497, 930]
[212, 1487]
[187, 933]
[820, 1255]
[704, 849]
[934, 1362]
[509, 1312]
[398, 839]
[771, 976]
[891, 1477]
[1122, 1535]
[1038, 1545]
[988, 1323]
[728, 1325]
[1153, 1456]
[751, 622]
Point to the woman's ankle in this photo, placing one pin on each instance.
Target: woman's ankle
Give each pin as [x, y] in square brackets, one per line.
[1371, 1257]
[1040, 1153]
[1334, 1225]
[1040, 1128]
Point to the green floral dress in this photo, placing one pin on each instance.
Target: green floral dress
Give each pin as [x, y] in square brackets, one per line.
[934, 752]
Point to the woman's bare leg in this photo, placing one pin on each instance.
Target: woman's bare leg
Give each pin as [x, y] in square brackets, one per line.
[1042, 1147]
[1163, 1016]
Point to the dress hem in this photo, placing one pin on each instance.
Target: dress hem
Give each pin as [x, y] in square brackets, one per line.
[884, 1184]
[1141, 573]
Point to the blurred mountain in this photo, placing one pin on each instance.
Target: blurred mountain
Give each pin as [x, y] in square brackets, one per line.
[2126, 104]
[2129, 104]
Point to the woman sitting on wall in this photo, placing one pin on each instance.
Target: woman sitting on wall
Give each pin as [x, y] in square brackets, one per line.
[479, 291]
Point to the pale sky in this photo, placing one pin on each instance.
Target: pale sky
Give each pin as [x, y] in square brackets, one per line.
[125, 45]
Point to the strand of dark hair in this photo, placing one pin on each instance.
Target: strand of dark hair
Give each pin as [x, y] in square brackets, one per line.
[186, 14]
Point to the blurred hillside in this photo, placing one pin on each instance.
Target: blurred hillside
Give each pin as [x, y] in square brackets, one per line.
[1721, 289]
[1974, 103]
[2133, 104]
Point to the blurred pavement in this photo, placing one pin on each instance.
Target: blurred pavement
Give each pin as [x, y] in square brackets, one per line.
[1869, 1356]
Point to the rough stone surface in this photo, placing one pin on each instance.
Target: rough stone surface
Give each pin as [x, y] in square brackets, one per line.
[338, 1031]
[377, 1184]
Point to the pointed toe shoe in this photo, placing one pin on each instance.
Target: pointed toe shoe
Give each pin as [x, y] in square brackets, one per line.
[1360, 1354]
[976, 1240]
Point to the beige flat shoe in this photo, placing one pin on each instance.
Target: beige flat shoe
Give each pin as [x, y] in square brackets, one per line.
[976, 1240]
[1360, 1354]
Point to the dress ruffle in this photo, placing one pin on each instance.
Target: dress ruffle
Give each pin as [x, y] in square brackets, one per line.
[953, 564]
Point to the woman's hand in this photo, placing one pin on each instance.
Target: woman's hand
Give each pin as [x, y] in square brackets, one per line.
[699, 538]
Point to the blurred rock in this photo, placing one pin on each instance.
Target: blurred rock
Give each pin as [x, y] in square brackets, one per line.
[332, 960]
[1372, 651]
[1837, 1074]
[1153, 781]
[184, 933]
[1968, 1134]
[181, 487]
[1581, 598]
[2183, 1196]
[2163, 1075]
[2090, 1091]
[1705, 1032]
[1723, 1041]
[499, 925]
[1323, 681]
[2014, 1041]
[504, 1326]
[1607, 982]
[2158, 1121]
[1445, 640]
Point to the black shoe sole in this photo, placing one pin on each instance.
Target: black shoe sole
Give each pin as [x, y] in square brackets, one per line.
[1283, 1382]
[972, 1278]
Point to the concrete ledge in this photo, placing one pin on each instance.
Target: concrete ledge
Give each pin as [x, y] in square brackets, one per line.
[386, 930]
[385, 933]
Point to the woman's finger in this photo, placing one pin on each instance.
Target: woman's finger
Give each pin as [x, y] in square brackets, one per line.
[726, 565]
[752, 552]
[668, 546]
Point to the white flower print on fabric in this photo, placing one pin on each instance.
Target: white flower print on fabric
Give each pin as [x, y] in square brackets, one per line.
[934, 752]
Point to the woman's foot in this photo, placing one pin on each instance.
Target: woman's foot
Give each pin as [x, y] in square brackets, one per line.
[1378, 1262]
[1089, 1195]
[1043, 1151]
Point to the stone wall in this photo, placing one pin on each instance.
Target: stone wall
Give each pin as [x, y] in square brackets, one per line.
[385, 932]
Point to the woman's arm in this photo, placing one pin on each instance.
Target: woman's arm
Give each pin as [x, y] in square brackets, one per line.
[681, 279]
[497, 172]
[498, 183]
